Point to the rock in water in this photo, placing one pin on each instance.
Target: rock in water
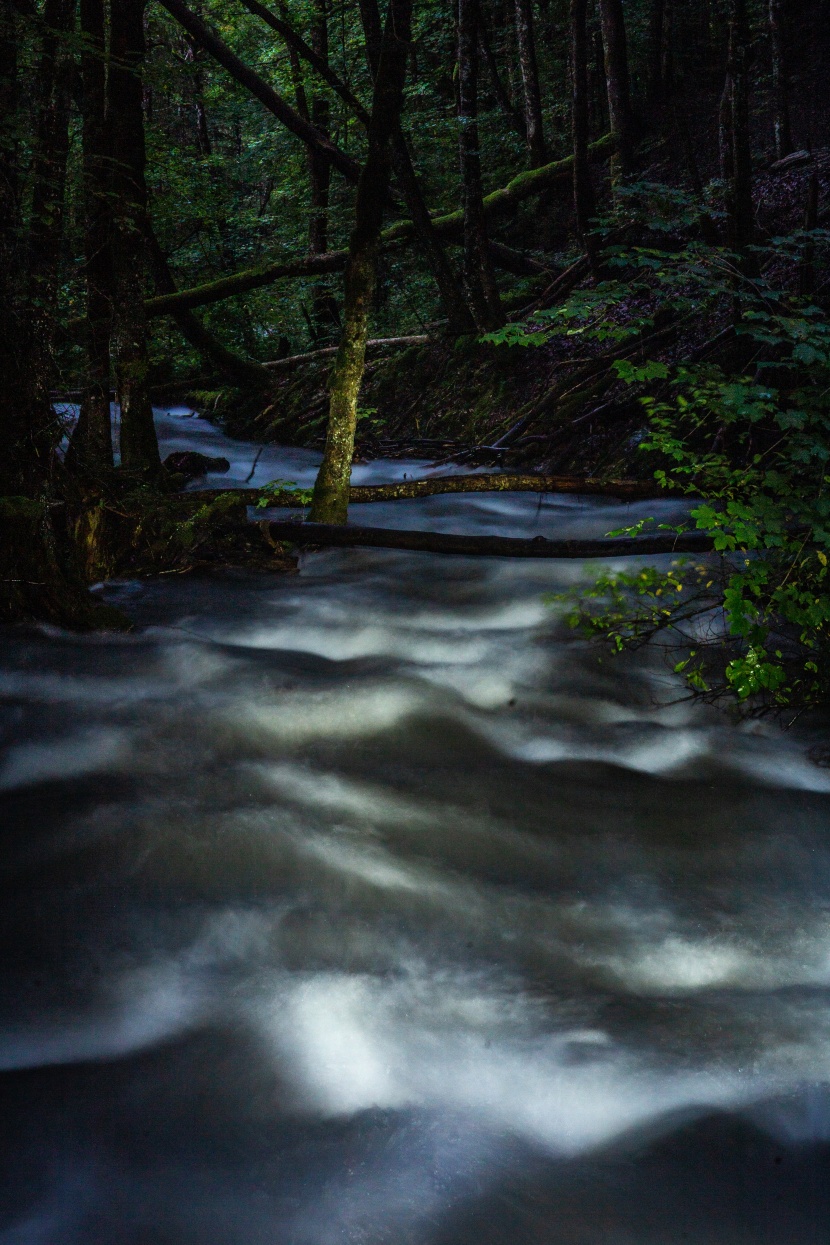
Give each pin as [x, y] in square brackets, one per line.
[190, 464]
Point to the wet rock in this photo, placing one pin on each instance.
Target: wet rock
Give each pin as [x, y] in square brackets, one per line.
[192, 465]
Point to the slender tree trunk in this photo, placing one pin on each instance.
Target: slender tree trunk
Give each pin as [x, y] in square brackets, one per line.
[584, 203]
[482, 291]
[331, 491]
[807, 269]
[139, 446]
[91, 444]
[656, 30]
[48, 174]
[617, 84]
[454, 307]
[778, 15]
[500, 91]
[526, 40]
[736, 153]
[320, 169]
[19, 468]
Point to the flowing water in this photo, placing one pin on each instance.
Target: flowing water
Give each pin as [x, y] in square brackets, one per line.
[369, 905]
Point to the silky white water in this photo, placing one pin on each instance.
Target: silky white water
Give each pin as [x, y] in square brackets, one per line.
[367, 904]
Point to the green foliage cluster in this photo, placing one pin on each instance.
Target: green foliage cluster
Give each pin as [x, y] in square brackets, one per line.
[747, 439]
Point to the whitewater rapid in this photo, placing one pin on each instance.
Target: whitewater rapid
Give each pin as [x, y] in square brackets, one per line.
[368, 904]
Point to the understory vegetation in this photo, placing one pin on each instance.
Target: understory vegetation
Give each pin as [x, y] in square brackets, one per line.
[584, 240]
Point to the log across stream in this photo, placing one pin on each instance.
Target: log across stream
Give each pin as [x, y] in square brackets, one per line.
[369, 904]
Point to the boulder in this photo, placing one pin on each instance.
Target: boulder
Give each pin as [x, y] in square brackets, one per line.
[192, 465]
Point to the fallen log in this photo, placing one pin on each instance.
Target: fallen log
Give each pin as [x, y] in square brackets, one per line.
[501, 201]
[345, 536]
[486, 482]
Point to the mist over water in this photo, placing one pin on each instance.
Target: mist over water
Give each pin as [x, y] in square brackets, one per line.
[369, 905]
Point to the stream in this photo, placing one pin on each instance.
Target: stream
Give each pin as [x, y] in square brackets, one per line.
[370, 906]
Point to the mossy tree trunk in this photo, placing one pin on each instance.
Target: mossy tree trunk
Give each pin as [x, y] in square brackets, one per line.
[331, 491]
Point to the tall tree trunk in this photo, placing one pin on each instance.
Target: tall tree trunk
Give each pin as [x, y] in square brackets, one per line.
[735, 150]
[18, 461]
[139, 446]
[584, 202]
[454, 307]
[331, 490]
[656, 31]
[52, 88]
[526, 40]
[778, 23]
[91, 444]
[617, 84]
[320, 117]
[500, 91]
[482, 291]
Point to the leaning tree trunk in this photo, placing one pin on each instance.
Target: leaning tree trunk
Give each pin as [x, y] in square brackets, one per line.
[615, 48]
[139, 446]
[526, 40]
[482, 291]
[91, 444]
[234, 368]
[780, 84]
[331, 491]
[584, 202]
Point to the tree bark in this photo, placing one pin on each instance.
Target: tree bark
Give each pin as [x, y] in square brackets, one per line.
[526, 40]
[139, 446]
[482, 291]
[331, 491]
[617, 84]
[583, 189]
[778, 15]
